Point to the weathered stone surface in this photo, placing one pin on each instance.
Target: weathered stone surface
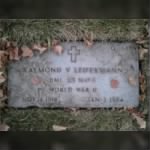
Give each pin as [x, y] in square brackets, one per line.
[105, 75]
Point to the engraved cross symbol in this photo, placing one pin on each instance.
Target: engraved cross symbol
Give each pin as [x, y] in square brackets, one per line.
[74, 52]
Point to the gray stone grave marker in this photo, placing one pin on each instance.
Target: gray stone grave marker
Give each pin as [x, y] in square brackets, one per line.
[105, 75]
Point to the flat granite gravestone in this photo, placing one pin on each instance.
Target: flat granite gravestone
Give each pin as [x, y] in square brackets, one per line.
[105, 75]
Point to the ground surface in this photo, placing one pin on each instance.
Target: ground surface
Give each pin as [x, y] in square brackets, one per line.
[28, 31]
[82, 120]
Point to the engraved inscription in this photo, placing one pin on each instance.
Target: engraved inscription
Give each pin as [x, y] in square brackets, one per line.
[74, 52]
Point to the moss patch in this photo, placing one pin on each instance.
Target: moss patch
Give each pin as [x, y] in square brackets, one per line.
[83, 120]
[27, 31]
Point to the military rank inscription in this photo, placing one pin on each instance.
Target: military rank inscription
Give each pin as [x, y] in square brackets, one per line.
[105, 75]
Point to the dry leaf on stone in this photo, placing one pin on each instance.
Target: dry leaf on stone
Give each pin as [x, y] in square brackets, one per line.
[140, 121]
[59, 128]
[58, 49]
[132, 80]
[36, 80]
[88, 43]
[4, 127]
[40, 48]
[13, 53]
[88, 40]
[26, 51]
[142, 53]
[55, 42]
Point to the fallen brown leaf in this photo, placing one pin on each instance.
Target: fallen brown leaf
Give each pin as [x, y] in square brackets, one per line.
[4, 127]
[142, 78]
[142, 53]
[2, 78]
[141, 41]
[142, 87]
[140, 121]
[8, 44]
[55, 42]
[58, 49]
[13, 44]
[41, 48]
[3, 43]
[135, 111]
[13, 53]
[26, 51]
[44, 45]
[88, 39]
[142, 97]
[3, 53]
[36, 80]
[59, 128]
[88, 43]
[3, 58]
